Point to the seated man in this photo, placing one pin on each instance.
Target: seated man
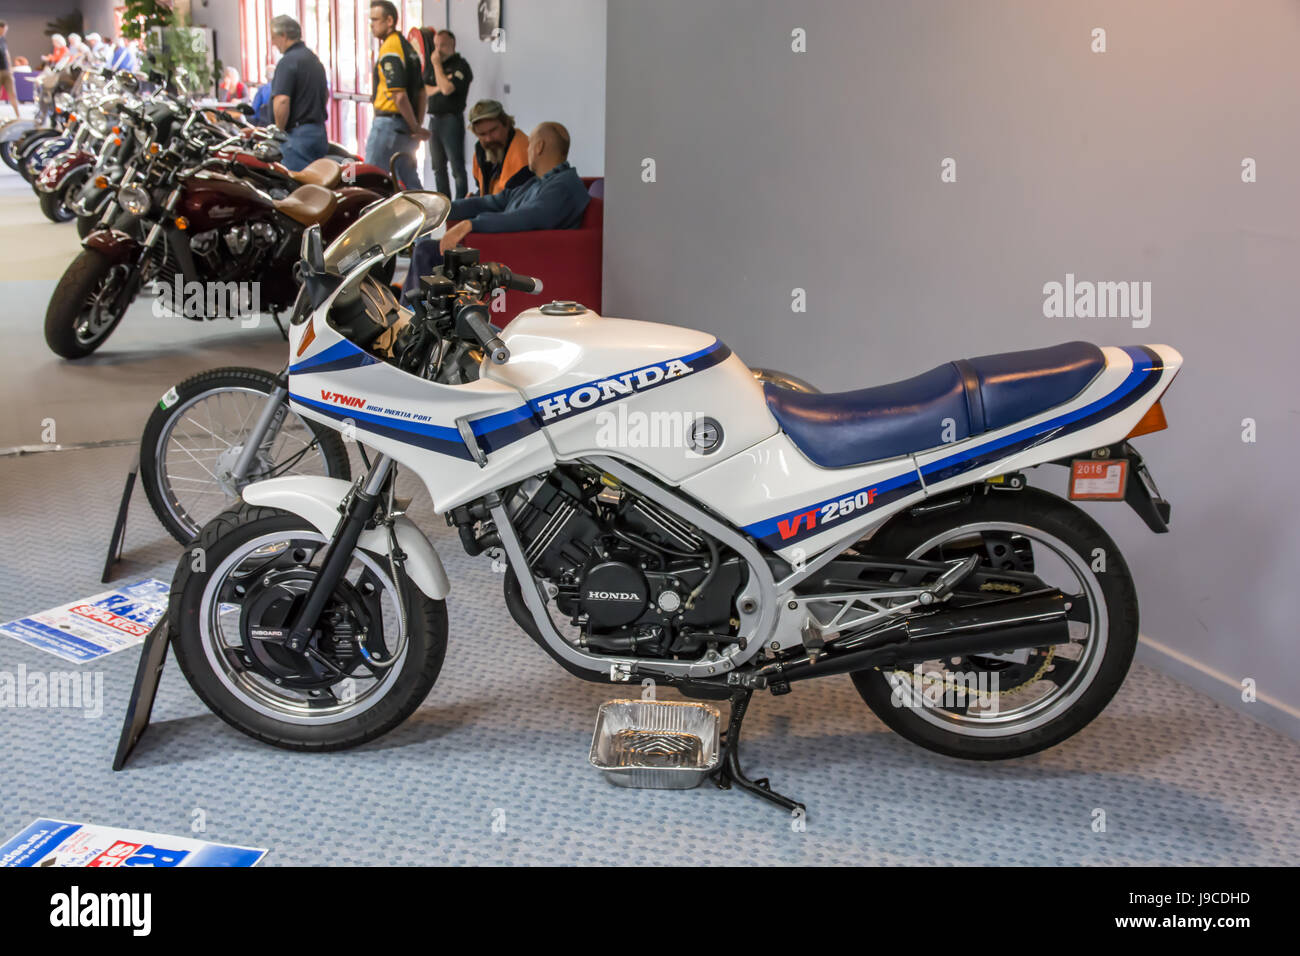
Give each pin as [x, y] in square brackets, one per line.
[555, 199]
[501, 153]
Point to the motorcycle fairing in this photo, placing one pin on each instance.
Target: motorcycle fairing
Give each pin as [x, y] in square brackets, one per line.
[414, 420]
[779, 497]
[527, 414]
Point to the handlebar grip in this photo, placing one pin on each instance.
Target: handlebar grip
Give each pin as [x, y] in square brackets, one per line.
[473, 317]
[524, 284]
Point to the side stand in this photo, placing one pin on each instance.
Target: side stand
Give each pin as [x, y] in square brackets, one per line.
[729, 770]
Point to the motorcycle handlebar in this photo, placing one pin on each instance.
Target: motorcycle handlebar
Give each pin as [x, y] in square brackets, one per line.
[474, 317]
[520, 283]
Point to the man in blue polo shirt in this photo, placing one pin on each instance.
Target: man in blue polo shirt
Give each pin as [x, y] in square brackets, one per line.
[298, 95]
[555, 199]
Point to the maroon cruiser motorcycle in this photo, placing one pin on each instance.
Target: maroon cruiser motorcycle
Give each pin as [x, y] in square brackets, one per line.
[198, 234]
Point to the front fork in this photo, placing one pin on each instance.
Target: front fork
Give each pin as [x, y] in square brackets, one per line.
[358, 508]
[268, 422]
[168, 208]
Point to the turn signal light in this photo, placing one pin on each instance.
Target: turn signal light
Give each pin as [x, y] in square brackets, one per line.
[117, 130]
[182, 222]
[154, 149]
[101, 182]
[1152, 421]
[117, 141]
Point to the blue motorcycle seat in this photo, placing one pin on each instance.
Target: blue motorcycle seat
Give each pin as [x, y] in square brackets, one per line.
[949, 403]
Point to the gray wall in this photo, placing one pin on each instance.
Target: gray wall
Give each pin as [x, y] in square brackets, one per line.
[820, 170]
[554, 64]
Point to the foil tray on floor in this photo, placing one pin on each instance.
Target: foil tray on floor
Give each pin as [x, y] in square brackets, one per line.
[661, 745]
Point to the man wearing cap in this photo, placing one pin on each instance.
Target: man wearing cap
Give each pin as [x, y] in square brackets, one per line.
[501, 153]
[447, 82]
[554, 199]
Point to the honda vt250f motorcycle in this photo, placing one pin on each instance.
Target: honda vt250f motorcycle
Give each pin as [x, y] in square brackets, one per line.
[775, 535]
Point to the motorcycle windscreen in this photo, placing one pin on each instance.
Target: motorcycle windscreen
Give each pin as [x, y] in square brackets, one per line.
[387, 228]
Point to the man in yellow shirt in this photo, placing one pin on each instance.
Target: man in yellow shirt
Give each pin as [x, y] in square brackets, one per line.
[397, 97]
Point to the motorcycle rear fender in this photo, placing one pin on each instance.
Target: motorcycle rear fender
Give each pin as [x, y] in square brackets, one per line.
[316, 499]
[114, 244]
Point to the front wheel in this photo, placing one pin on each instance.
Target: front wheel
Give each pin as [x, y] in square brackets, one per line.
[992, 707]
[55, 204]
[87, 304]
[374, 654]
[197, 435]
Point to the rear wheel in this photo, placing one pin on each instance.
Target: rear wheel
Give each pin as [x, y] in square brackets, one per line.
[993, 707]
[373, 657]
[87, 304]
[199, 430]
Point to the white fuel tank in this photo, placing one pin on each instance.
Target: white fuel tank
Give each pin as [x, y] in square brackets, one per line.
[674, 400]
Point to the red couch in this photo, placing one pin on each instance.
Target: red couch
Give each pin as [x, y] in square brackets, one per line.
[566, 260]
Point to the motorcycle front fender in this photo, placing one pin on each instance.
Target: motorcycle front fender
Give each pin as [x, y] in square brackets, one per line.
[56, 173]
[316, 500]
[116, 245]
[13, 130]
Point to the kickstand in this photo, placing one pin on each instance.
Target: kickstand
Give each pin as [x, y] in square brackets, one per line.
[729, 770]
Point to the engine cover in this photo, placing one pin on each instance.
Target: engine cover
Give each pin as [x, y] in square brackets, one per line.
[614, 594]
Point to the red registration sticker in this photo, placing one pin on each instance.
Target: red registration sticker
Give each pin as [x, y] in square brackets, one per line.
[1098, 479]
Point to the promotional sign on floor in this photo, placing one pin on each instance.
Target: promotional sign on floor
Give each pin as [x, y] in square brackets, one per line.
[91, 628]
[59, 843]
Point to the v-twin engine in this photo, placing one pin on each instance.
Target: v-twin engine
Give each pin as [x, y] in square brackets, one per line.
[632, 577]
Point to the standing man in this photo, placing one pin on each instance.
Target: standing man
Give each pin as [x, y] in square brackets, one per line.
[398, 98]
[7, 70]
[447, 82]
[298, 95]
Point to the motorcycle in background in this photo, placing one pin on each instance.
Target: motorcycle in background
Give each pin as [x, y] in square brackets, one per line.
[190, 219]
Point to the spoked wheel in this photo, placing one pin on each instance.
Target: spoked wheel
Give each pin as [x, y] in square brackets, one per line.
[198, 433]
[991, 707]
[374, 653]
[87, 304]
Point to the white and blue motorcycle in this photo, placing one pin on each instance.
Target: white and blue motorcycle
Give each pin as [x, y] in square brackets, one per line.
[663, 515]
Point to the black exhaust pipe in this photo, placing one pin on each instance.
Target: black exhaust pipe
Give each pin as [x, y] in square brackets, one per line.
[993, 627]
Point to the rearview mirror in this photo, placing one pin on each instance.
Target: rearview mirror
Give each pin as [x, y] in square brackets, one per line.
[313, 250]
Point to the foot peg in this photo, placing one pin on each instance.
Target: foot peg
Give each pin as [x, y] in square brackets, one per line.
[950, 580]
